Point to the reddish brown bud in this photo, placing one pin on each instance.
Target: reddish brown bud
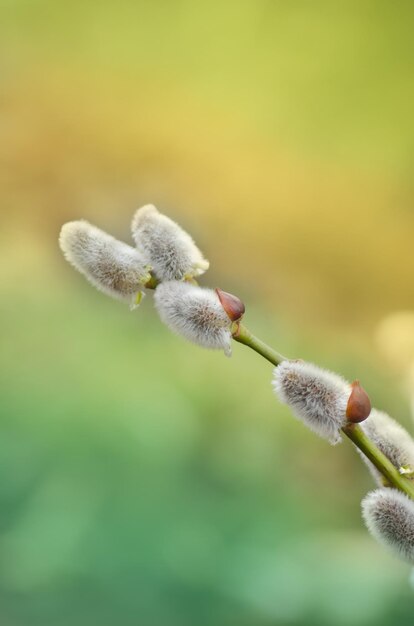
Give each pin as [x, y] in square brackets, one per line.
[233, 306]
[359, 404]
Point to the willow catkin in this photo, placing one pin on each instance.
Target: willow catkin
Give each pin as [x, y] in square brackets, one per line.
[389, 517]
[194, 312]
[112, 266]
[316, 396]
[168, 248]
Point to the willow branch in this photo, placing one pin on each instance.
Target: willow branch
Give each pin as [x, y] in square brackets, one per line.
[354, 432]
[377, 458]
[243, 335]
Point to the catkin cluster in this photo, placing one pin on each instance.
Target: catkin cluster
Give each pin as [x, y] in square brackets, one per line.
[324, 402]
[166, 258]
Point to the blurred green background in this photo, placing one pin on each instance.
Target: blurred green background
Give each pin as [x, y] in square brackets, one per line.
[142, 479]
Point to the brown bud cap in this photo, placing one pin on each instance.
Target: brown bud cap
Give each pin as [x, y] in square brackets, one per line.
[359, 404]
[232, 305]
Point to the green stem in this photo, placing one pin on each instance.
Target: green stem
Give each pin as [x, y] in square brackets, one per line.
[242, 335]
[353, 431]
[152, 283]
[383, 465]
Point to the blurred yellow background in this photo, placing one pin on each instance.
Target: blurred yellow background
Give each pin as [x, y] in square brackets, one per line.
[142, 479]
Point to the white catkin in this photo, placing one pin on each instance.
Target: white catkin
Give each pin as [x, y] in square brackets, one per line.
[112, 266]
[391, 438]
[316, 396]
[195, 313]
[169, 249]
[389, 517]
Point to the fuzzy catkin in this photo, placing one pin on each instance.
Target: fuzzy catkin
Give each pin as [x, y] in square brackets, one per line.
[317, 397]
[169, 249]
[112, 266]
[195, 313]
[391, 438]
[389, 517]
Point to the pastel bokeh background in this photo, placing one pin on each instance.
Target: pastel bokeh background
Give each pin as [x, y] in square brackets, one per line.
[142, 479]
